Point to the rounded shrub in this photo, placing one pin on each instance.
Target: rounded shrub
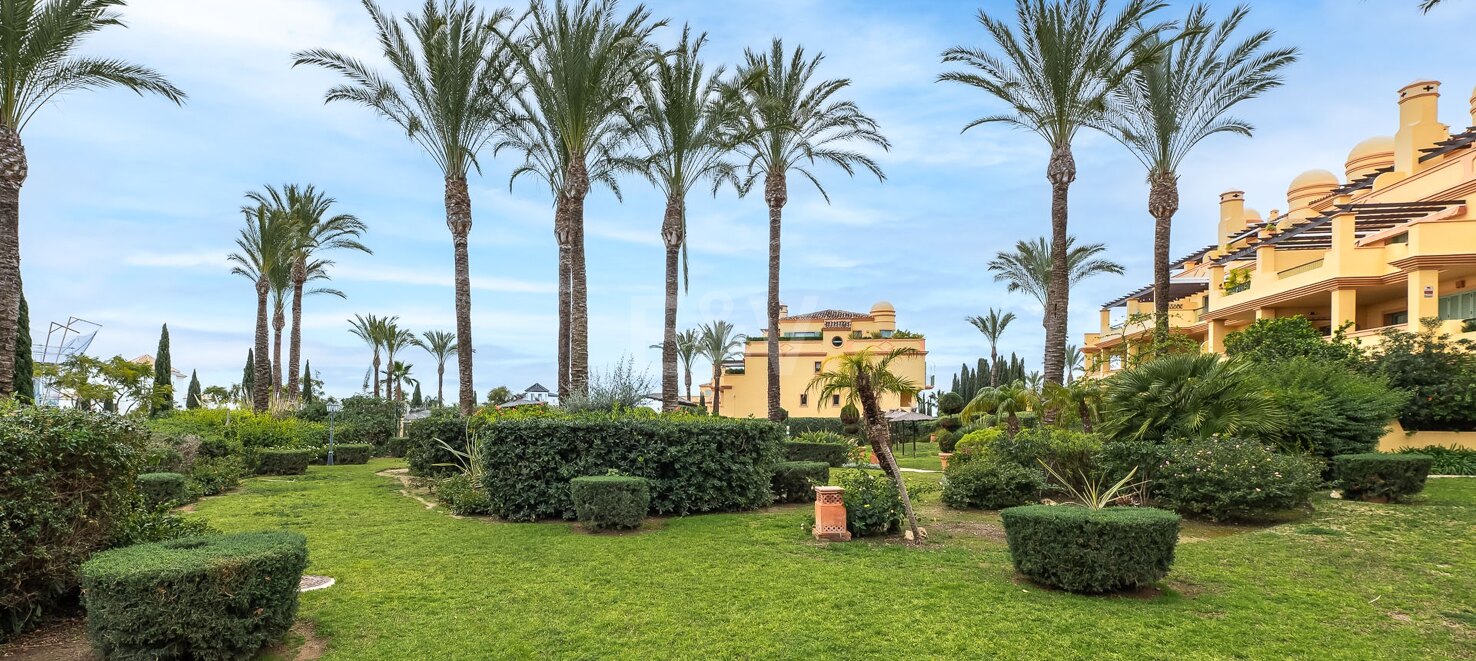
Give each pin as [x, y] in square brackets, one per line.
[1091, 551]
[1381, 477]
[216, 448]
[947, 440]
[991, 485]
[219, 597]
[283, 461]
[161, 488]
[977, 444]
[873, 506]
[950, 403]
[794, 481]
[1233, 479]
[949, 422]
[610, 502]
[351, 453]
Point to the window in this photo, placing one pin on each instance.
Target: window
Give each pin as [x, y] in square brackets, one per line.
[1458, 306]
[817, 366]
[836, 341]
[1396, 318]
[835, 400]
[1399, 238]
[804, 399]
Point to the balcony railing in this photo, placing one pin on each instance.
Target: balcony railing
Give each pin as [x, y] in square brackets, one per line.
[1309, 266]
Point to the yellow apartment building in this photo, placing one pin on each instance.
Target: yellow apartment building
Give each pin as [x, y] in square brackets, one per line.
[1388, 242]
[806, 341]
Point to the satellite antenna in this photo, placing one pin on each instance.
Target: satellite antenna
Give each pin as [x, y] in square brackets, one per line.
[63, 342]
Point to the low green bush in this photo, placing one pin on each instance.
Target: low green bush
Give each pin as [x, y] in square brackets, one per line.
[423, 449]
[1381, 477]
[210, 477]
[395, 446]
[977, 444]
[352, 453]
[1071, 454]
[66, 480]
[215, 448]
[261, 430]
[219, 597]
[947, 440]
[463, 496]
[1336, 409]
[991, 485]
[799, 426]
[162, 488]
[283, 461]
[873, 505]
[157, 523]
[794, 481]
[162, 457]
[948, 422]
[829, 453]
[1091, 551]
[610, 502]
[1234, 479]
[1450, 460]
[371, 420]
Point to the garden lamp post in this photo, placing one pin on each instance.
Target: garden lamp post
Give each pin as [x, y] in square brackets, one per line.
[334, 406]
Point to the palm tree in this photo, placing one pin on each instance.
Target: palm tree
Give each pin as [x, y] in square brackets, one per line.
[1006, 401]
[1029, 268]
[448, 93]
[262, 259]
[38, 63]
[1055, 70]
[993, 327]
[370, 329]
[863, 377]
[793, 121]
[441, 346]
[687, 349]
[1183, 396]
[718, 343]
[1175, 101]
[318, 233]
[281, 283]
[1074, 362]
[394, 339]
[1082, 395]
[687, 119]
[579, 65]
[399, 374]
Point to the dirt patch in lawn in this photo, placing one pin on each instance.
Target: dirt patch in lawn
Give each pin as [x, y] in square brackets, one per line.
[977, 529]
[411, 486]
[302, 643]
[66, 640]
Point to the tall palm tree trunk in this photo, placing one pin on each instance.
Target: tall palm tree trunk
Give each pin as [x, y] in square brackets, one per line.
[261, 377]
[279, 321]
[993, 366]
[566, 259]
[294, 351]
[13, 170]
[1163, 203]
[776, 193]
[717, 387]
[440, 384]
[376, 373]
[879, 433]
[688, 370]
[459, 221]
[1061, 172]
[671, 235]
[576, 188]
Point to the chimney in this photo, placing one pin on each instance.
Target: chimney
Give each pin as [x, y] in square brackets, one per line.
[1419, 125]
[1473, 107]
[1232, 216]
[783, 310]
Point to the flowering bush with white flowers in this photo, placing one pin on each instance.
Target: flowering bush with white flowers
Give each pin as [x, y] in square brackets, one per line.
[1224, 478]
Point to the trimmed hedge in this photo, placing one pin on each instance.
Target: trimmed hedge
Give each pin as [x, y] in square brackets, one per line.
[1091, 551]
[283, 461]
[66, 482]
[831, 454]
[610, 502]
[794, 481]
[423, 451]
[694, 464]
[161, 488]
[351, 453]
[1381, 477]
[991, 485]
[219, 597]
[799, 426]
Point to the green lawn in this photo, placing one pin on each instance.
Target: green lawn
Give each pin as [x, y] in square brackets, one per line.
[1352, 581]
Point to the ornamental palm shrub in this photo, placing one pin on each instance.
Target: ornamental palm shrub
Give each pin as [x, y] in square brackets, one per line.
[1381, 477]
[1335, 410]
[219, 597]
[1234, 479]
[991, 485]
[1190, 397]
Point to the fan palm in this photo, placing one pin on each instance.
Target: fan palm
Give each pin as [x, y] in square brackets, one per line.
[1055, 69]
[262, 258]
[579, 64]
[862, 378]
[1029, 268]
[687, 350]
[792, 121]
[441, 346]
[370, 329]
[318, 233]
[1084, 396]
[1175, 101]
[717, 342]
[38, 63]
[448, 92]
[687, 120]
[993, 326]
[1185, 397]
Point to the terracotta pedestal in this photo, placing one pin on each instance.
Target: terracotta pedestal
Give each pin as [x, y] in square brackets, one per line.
[830, 515]
[943, 458]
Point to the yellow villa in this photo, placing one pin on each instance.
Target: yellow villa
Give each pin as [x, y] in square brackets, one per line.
[1388, 243]
[806, 341]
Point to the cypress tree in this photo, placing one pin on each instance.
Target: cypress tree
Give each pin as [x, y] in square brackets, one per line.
[415, 400]
[307, 382]
[163, 375]
[248, 377]
[192, 396]
[25, 386]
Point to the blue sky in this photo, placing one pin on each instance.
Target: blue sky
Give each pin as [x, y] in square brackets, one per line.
[132, 204]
